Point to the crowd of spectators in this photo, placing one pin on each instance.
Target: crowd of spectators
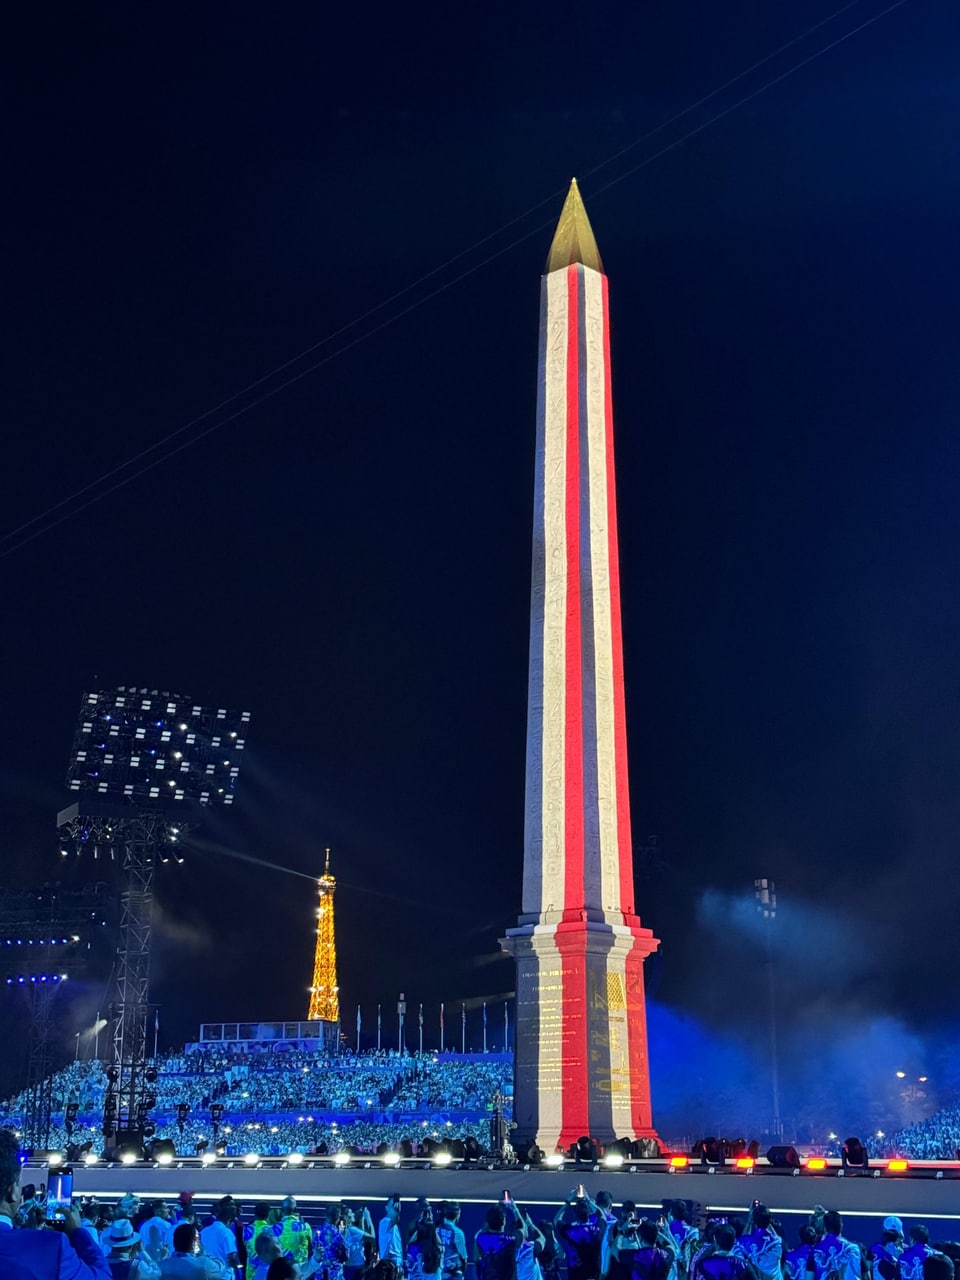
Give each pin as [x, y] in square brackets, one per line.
[278, 1101]
[936, 1138]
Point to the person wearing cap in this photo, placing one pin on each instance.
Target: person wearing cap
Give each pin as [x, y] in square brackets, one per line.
[884, 1256]
[122, 1246]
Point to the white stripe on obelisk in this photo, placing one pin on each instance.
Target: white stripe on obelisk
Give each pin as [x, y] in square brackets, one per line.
[608, 897]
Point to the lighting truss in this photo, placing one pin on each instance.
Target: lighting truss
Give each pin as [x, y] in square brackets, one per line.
[155, 749]
[37, 927]
[144, 763]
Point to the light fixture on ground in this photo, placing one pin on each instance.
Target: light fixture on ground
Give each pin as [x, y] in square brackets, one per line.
[442, 1158]
[391, 1157]
[295, 1158]
[556, 1161]
[342, 1158]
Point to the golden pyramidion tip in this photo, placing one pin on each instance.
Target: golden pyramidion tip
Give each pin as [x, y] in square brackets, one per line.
[573, 240]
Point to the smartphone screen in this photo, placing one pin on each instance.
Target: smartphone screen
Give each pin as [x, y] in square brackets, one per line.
[59, 1194]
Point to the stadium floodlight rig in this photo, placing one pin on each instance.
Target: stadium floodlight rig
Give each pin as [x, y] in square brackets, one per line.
[324, 992]
[145, 763]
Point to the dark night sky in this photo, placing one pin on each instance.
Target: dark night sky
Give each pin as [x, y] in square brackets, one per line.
[195, 195]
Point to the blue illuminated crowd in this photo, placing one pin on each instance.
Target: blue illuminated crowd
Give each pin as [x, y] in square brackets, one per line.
[936, 1138]
[297, 1100]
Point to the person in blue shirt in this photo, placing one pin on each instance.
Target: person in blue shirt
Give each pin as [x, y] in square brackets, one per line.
[834, 1254]
[911, 1260]
[884, 1256]
[41, 1255]
[760, 1245]
[495, 1244]
[452, 1241]
[580, 1227]
[795, 1263]
[718, 1261]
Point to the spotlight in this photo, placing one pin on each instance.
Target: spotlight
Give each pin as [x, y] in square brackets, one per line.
[55, 1158]
[442, 1158]
[128, 1157]
[745, 1163]
[816, 1164]
[679, 1162]
[208, 1158]
[897, 1166]
[342, 1158]
[555, 1161]
[251, 1158]
[90, 1158]
[854, 1155]
[161, 1150]
[783, 1157]
[391, 1157]
[295, 1158]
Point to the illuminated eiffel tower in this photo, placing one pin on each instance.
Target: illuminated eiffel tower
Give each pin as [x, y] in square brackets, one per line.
[324, 992]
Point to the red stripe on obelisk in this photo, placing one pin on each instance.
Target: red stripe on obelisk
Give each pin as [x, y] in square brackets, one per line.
[573, 1064]
[573, 693]
[624, 839]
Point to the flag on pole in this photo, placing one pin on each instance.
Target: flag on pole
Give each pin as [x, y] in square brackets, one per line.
[484, 1013]
[421, 1013]
[441, 1023]
[358, 1017]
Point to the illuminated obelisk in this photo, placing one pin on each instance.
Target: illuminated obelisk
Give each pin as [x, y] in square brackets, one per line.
[581, 1030]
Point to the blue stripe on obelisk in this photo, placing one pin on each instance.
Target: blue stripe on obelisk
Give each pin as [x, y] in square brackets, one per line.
[533, 819]
[591, 796]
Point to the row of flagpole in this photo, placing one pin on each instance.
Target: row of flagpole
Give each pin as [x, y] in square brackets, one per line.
[401, 1017]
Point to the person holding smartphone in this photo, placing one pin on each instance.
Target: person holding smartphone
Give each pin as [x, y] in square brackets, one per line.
[389, 1240]
[67, 1253]
[580, 1227]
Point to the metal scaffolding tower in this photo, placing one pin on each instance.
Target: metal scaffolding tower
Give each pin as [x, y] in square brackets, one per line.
[46, 934]
[145, 763]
